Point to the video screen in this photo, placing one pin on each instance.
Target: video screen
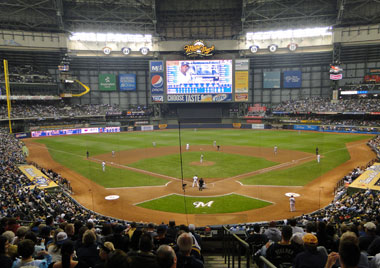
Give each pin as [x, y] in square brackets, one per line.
[199, 76]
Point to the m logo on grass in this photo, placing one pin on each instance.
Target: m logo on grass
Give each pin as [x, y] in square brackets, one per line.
[198, 204]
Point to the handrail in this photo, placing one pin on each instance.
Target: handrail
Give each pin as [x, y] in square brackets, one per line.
[234, 248]
[268, 263]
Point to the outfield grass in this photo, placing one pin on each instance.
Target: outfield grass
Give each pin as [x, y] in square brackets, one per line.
[169, 164]
[70, 151]
[221, 204]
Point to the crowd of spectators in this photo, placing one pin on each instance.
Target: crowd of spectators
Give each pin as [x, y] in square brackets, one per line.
[60, 109]
[27, 74]
[56, 110]
[323, 105]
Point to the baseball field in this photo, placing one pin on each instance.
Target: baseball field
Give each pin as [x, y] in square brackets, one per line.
[147, 168]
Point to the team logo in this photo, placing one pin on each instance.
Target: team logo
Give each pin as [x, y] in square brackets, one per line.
[199, 204]
[41, 181]
[198, 48]
[157, 81]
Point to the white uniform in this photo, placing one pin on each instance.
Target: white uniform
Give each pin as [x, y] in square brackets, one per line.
[187, 146]
[154, 144]
[201, 160]
[318, 158]
[214, 144]
[104, 166]
[113, 153]
[292, 203]
[195, 181]
[275, 149]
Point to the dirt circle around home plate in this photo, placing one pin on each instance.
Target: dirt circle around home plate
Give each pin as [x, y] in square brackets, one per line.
[314, 195]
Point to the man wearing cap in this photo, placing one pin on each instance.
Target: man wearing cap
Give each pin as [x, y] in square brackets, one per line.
[370, 235]
[311, 257]
[184, 75]
[292, 203]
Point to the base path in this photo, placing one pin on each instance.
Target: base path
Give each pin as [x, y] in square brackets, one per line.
[313, 196]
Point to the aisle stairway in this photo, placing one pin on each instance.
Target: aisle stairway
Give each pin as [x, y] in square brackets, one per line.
[217, 261]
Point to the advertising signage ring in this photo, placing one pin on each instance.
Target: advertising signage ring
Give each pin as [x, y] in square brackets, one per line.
[199, 76]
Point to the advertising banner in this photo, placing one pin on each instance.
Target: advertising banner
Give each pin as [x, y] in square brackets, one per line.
[258, 126]
[199, 98]
[37, 177]
[292, 79]
[127, 82]
[271, 80]
[157, 98]
[241, 82]
[156, 66]
[368, 179]
[157, 83]
[241, 97]
[305, 127]
[242, 65]
[107, 82]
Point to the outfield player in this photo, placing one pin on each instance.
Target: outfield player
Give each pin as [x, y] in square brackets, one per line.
[104, 166]
[292, 203]
[195, 181]
[154, 144]
[87, 154]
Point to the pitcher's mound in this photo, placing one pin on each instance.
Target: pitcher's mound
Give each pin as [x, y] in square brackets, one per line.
[205, 163]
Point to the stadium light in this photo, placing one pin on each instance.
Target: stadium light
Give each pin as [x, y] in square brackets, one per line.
[111, 37]
[287, 34]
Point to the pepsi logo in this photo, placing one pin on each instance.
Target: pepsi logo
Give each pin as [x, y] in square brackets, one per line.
[157, 81]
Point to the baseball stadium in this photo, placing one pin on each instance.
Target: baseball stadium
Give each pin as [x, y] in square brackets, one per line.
[143, 133]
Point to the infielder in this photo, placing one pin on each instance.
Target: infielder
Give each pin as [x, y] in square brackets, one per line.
[275, 150]
[113, 153]
[318, 158]
[154, 144]
[201, 160]
[187, 146]
[292, 203]
[195, 181]
[214, 144]
[104, 166]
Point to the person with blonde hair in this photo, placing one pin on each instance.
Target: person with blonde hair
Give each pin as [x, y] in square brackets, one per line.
[88, 252]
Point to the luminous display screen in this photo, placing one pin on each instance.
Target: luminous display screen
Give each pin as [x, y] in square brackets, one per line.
[199, 76]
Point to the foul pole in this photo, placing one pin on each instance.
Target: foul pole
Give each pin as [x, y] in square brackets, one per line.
[8, 92]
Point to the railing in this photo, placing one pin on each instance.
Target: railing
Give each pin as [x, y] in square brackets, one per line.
[234, 248]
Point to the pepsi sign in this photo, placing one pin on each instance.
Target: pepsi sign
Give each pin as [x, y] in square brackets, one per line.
[157, 83]
[156, 66]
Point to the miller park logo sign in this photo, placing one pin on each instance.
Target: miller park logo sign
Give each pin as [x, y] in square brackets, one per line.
[198, 48]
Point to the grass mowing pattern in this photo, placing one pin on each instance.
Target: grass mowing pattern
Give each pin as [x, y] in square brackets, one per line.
[169, 164]
[70, 151]
[222, 204]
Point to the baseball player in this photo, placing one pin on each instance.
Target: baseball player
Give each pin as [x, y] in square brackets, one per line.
[201, 183]
[87, 154]
[292, 203]
[275, 150]
[214, 144]
[113, 153]
[201, 160]
[195, 181]
[104, 166]
[318, 158]
[154, 144]
[187, 146]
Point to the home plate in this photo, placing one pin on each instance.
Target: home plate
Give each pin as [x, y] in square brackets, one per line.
[292, 194]
[111, 197]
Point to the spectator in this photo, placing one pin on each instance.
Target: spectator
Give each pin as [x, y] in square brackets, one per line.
[310, 257]
[117, 258]
[184, 259]
[368, 237]
[67, 251]
[5, 260]
[144, 257]
[105, 250]
[88, 253]
[166, 257]
[273, 233]
[25, 250]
